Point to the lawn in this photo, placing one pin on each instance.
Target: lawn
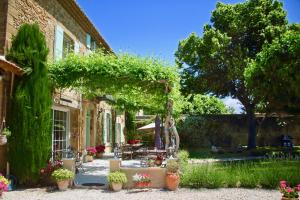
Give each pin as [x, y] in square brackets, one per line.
[248, 174]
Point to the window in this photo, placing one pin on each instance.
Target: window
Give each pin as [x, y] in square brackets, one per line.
[60, 134]
[68, 45]
[63, 44]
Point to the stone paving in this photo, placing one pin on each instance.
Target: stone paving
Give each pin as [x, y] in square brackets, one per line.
[97, 171]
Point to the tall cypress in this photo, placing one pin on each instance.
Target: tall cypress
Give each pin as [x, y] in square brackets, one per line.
[29, 117]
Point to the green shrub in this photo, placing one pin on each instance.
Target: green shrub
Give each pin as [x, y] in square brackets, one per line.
[183, 156]
[29, 116]
[117, 177]
[172, 166]
[247, 174]
[62, 174]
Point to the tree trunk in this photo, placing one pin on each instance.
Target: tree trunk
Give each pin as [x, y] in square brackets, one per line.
[251, 128]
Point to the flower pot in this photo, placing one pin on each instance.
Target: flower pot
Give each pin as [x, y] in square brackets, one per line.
[116, 186]
[143, 184]
[172, 181]
[3, 139]
[63, 185]
[89, 158]
[99, 155]
[285, 198]
[1, 192]
[158, 162]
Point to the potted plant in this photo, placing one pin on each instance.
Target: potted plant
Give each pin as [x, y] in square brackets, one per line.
[62, 177]
[91, 152]
[289, 193]
[4, 135]
[46, 172]
[116, 180]
[142, 180]
[100, 150]
[159, 159]
[172, 177]
[3, 184]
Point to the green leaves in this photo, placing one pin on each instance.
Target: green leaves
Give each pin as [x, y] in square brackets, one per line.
[134, 81]
[274, 74]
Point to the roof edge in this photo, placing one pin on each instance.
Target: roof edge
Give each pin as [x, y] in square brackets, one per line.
[81, 18]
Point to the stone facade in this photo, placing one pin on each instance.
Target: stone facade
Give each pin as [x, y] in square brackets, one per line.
[65, 13]
[47, 14]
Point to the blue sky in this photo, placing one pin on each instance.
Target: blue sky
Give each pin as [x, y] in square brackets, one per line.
[154, 27]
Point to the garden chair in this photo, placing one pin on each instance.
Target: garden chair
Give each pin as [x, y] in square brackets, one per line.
[127, 152]
[78, 163]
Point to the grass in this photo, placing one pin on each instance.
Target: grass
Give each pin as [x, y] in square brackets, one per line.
[247, 174]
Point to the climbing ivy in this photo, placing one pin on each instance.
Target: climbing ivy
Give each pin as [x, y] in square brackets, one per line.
[135, 82]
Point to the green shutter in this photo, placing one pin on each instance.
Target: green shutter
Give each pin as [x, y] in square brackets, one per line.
[59, 40]
[88, 41]
[76, 47]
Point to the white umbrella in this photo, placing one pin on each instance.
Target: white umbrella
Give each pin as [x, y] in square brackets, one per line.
[148, 127]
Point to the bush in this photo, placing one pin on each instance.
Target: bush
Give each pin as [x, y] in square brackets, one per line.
[247, 174]
[117, 177]
[62, 174]
[29, 117]
[183, 156]
[172, 166]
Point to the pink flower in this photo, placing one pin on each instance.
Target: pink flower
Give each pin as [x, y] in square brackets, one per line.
[289, 190]
[282, 184]
[298, 187]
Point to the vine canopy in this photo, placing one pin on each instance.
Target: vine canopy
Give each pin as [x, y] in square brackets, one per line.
[135, 82]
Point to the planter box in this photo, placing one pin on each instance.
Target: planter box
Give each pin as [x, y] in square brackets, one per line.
[158, 174]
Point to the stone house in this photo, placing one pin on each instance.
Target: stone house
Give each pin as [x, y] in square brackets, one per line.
[77, 122]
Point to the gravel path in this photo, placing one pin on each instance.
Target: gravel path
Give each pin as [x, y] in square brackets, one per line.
[154, 194]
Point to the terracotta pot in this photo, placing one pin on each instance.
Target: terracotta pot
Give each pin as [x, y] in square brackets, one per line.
[285, 198]
[158, 162]
[172, 181]
[116, 186]
[89, 158]
[63, 185]
[99, 155]
[142, 184]
[3, 139]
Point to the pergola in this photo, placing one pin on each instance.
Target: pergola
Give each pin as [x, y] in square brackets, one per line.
[135, 82]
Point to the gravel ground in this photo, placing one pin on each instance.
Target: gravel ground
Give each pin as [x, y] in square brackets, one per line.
[154, 194]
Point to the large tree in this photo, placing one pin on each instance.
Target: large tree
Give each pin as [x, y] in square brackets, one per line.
[274, 76]
[215, 62]
[29, 116]
[204, 104]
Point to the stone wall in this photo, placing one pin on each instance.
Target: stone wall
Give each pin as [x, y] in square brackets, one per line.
[3, 11]
[47, 14]
[232, 130]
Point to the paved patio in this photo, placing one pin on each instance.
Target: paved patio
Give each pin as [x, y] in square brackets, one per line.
[97, 171]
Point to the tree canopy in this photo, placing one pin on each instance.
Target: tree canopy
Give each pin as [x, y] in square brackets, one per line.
[135, 82]
[274, 76]
[215, 62]
[205, 104]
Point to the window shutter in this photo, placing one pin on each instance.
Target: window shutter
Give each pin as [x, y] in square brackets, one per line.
[88, 41]
[59, 40]
[94, 46]
[76, 47]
